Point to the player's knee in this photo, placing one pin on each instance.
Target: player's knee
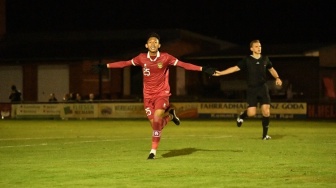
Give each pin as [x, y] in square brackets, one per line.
[266, 113]
[159, 113]
[251, 113]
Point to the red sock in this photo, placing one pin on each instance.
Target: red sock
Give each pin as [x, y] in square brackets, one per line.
[156, 139]
[157, 127]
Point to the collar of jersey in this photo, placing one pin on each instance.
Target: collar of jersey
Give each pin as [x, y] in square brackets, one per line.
[157, 55]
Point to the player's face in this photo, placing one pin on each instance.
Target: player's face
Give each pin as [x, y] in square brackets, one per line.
[256, 48]
[153, 45]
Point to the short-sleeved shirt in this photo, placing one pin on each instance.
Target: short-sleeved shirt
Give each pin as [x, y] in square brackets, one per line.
[155, 73]
[255, 69]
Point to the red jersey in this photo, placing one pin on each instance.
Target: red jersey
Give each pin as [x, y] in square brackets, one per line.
[155, 71]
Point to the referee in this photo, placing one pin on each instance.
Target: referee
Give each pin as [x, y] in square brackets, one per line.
[255, 66]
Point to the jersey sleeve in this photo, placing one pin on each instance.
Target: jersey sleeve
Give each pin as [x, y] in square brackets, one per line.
[122, 64]
[119, 64]
[269, 64]
[188, 66]
[242, 64]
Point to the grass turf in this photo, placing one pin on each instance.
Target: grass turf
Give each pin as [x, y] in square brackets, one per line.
[113, 153]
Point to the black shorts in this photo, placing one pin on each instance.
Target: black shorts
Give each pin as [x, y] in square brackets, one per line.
[259, 94]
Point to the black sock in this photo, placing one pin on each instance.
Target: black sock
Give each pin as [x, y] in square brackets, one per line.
[265, 123]
[243, 115]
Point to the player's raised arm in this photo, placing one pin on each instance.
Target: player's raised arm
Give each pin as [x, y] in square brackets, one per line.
[227, 71]
[189, 66]
[119, 64]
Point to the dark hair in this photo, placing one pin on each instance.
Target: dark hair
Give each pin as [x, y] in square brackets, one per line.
[153, 34]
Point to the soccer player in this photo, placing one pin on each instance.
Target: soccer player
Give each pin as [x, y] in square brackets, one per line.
[156, 89]
[255, 65]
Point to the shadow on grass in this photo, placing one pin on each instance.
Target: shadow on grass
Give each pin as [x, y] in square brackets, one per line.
[188, 151]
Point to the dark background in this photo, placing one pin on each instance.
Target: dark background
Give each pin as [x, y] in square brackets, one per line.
[238, 21]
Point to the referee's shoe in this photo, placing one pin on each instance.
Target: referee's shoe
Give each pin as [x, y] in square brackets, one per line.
[267, 137]
[175, 119]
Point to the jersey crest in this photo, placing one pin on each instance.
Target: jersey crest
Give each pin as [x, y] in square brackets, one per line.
[160, 65]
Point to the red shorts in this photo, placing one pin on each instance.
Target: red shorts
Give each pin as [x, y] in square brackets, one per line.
[152, 104]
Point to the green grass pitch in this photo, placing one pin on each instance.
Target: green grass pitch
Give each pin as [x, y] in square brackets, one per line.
[198, 153]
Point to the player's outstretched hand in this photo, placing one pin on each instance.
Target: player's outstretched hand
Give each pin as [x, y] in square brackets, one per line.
[209, 70]
[99, 67]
